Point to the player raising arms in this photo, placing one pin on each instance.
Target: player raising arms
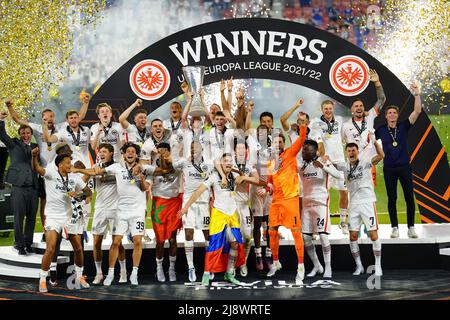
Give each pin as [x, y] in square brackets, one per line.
[315, 211]
[226, 250]
[75, 135]
[283, 183]
[326, 130]
[362, 202]
[131, 207]
[60, 185]
[105, 212]
[138, 132]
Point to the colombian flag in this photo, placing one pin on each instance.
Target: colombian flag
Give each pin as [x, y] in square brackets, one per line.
[216, 259]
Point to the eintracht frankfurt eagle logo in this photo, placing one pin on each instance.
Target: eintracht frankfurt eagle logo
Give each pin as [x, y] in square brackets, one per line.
[149, 79]
[349, 75]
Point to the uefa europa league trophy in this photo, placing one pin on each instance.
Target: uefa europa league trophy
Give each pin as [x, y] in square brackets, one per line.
[194, 78]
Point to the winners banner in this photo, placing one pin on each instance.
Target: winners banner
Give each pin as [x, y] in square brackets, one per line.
[285, 51]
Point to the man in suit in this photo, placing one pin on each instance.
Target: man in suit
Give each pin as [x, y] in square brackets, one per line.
[24, 192]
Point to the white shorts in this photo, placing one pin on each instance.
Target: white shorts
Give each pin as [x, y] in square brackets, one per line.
[55, 224]
[338, 184]
[315, 219]
[76, 228]
[102, 220]
[197, 216]
[362, 213]
[260, 205]
[124, 226]
[245, 219]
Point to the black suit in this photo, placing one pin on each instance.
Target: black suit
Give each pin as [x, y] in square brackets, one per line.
[24, 192]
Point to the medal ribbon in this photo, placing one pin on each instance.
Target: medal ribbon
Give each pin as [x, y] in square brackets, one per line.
[76, 141]
[394, 137]
[352, 169]
[363, 126]
[330, 125]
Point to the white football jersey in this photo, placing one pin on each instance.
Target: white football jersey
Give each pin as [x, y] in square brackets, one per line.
[332, 141]
[132, 134]
[78, 143]
[194, 176]
[168, 186]
[359, 182]
[220, 143]
[112, 135]
[106, 188]
[45, 154]
[171, 125]
[132, 202]
[58, 203]
[224, 198]
[315, 183]
[365, 144]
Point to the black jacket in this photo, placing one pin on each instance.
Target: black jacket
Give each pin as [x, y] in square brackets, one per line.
[20, 160]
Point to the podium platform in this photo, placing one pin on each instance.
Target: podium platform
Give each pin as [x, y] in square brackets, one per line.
[430, 251]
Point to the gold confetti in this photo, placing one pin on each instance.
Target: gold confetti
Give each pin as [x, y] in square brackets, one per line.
[36, 41]
[414, 43]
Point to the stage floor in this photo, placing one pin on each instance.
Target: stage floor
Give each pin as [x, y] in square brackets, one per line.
[394, 285]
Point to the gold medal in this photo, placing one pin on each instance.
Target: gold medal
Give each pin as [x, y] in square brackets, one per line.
[203, 175]
[233, 193]
[328, 135]
[140, 144]
[132, 181]
[77, 148]
[394, 144]
[49, 148]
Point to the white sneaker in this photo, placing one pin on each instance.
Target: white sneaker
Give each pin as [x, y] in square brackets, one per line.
[412, 233]
[192, 275]
[316, 270]
[160, 274]
[172, 275]
[394, 233]
[300, 274]
[98, 279]
[211, 276]
[328, 273]
[276, 265]
[244, 270]
[378, 271]
[109, 279]
[344, 228]
[359, 270]
[134, 280]
[123, 277]
[83, 283]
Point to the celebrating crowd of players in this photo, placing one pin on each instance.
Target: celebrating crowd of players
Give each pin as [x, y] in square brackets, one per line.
[214, 173]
